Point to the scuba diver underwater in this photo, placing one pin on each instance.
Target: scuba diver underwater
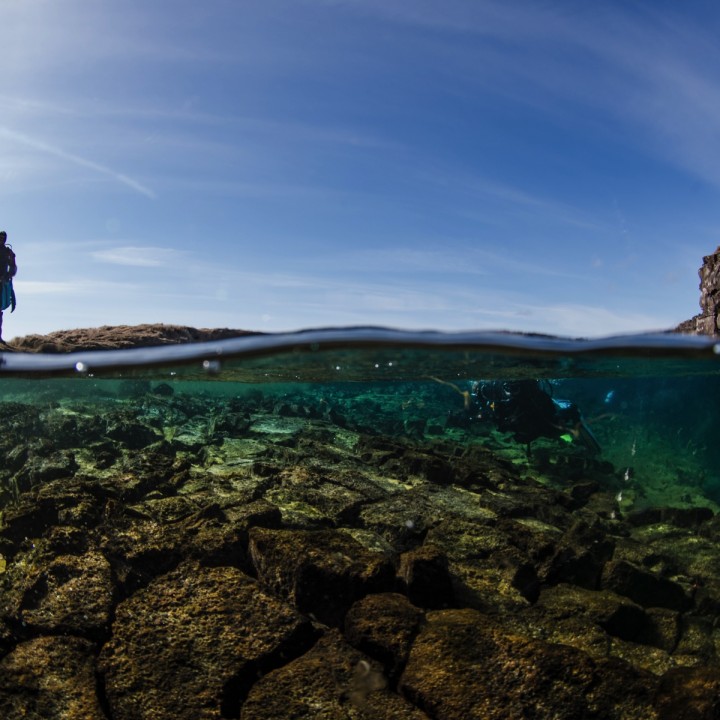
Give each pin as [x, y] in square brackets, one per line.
[527, 409]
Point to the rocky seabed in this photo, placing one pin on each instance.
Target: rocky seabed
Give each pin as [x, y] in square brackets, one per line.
[170, 556]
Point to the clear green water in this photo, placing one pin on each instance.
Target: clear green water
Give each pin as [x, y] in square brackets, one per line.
[650, 403]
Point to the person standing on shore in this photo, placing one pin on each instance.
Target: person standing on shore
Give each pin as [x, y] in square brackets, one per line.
[8, 268]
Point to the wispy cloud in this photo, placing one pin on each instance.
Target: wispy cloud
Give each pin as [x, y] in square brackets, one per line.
[443, 257]
[138, 256]
[76, 160]
[81, 286]
[40, 287]
[651, 70]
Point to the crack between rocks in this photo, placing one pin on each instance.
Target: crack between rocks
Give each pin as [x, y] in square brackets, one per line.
[237, 688]
[102, 698]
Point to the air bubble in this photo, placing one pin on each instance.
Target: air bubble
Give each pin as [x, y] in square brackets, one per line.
[212, 366]
[81, 367]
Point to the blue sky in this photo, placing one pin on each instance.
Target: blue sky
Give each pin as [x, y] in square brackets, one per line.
[547, 166]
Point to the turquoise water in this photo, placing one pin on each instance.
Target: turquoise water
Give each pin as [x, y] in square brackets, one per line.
[650, 403]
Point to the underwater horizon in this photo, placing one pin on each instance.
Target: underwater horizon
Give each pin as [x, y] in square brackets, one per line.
[500, 485]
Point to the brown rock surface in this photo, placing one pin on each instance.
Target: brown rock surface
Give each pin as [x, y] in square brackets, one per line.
[462, 666]
[50, 678]
[189, 644]
[117, 337]
[74, 594]
[331, 682]
[384, 626]
[689, 694]
[320, 572]
[707, 322]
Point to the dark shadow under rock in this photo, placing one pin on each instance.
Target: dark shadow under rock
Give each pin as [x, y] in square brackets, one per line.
[193, 642]
[333, 682]
[426, 578]
[579, 556]
[321, 572]
[383, 626]
[689, 694]
[489, 571]
[645, 588]
[51, 678]
[565, 607]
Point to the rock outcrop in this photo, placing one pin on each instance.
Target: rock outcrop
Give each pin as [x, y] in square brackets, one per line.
[708, 321]
[120, 337]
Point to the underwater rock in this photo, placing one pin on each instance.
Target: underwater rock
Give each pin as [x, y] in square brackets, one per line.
[579, 556]
[321, 572]
[384, 626]
[65, 429]
[488, 571]
[130, 433]
[426, 578]
[30, 517]
[665, 628]
[150, 546]
[307, 491]
[145, 471]
[73, 595]
[163, 390]
[402, 519]
[462, 665]
[560, 607]
[645, 588]
[193, 642]
[333, 680]
[38, 469]
[689, 694]
[680, 517]
[140, 551]
[696, 644]
[51, 678]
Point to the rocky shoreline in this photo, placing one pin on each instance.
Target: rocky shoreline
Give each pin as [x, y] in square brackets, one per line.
[295, 555]
[117, 337]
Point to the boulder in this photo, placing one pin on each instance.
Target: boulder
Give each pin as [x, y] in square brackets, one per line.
[462, 665]
[51, 678]
[333, 682]
[321, 572]
[193, 642]
[383, 626]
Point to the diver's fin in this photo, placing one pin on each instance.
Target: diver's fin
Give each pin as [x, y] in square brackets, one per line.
[587, 438]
